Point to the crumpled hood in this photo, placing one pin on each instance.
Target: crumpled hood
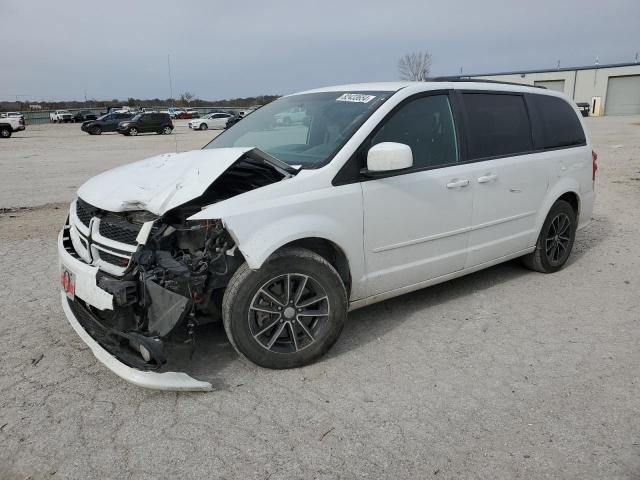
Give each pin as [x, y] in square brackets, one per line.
[159, 183]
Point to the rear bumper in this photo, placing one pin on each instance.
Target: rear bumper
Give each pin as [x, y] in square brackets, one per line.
[587, 202]
[88, 290]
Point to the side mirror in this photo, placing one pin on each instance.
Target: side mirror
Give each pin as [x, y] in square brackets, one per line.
[389, 156]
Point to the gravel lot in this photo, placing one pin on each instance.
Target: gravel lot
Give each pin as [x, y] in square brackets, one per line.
[505, 373]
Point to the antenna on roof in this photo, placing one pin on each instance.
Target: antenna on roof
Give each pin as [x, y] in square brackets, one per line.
[558, 65]
[636, 57]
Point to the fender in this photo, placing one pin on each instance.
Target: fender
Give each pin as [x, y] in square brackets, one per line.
[260, 228]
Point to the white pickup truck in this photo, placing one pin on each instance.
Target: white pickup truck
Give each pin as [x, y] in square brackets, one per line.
[60, 116]
[10, 124]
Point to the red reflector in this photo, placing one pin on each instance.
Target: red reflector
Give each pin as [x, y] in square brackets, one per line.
[594, 157]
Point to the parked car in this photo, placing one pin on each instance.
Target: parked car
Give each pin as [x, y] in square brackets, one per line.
[12, 114]
[296, 114]
[584, 108]
[10, 124]
[184, 115]
[146, 123]
[173, 112]
[389, 188]
[194, 113]
[233, 119]
[83, 116]
[212, 120]
[105, 123]
[60, 116]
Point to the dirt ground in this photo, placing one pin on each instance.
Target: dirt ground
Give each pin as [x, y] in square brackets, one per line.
[505, 373]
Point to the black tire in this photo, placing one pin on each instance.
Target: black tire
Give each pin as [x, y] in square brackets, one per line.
[5, 132]
[285, 341]
[96, 130]
[204, 126]
[555, 240]
[167, 130]
[132, 131]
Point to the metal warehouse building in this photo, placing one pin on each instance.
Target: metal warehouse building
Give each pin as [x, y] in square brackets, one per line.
[608, 89]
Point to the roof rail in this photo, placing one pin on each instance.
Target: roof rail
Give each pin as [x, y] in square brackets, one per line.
[479, 80]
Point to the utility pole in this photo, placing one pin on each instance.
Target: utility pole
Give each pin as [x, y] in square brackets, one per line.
[170, 81]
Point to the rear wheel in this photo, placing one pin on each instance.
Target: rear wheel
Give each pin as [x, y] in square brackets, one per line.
[5, 132]
[203, 126]
[288, 313]
[555, 240]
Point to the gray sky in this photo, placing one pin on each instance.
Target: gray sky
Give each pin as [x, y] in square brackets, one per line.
[222, 49]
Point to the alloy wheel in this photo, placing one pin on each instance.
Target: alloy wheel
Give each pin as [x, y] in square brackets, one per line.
[558, 239]
[287, 313]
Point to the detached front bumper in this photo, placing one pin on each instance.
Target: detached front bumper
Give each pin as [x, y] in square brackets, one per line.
[87, 290]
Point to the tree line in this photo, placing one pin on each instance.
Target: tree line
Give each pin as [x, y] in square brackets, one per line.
[185, 100]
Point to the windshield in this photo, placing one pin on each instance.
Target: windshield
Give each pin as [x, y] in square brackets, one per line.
[307, 129]
[137, 117]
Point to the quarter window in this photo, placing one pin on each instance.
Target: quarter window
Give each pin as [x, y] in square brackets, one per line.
[557, 124]
[426, 125]
[498, 125]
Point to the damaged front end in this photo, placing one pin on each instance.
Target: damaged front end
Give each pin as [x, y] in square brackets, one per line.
[142, 282]
[169, 286]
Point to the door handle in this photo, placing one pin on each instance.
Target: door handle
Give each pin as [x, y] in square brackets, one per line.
[490, 177]
[457, 183]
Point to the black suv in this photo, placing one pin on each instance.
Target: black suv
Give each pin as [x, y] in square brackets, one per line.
[147, 122]
[106, 123]
[83, 116]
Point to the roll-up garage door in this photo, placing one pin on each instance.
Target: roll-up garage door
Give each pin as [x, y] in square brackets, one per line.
[557, 85]
[623, 96]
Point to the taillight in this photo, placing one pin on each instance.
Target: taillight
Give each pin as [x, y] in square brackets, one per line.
[594, 157]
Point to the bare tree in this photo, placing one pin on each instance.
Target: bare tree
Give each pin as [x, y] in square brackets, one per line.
[415, 66]
[187, 97]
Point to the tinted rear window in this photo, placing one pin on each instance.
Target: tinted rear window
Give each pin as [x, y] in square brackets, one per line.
[556, 124]
[498, 124]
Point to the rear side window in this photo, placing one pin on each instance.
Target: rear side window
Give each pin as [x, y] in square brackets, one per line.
[497, 124]
[426, 125]
[556, 124]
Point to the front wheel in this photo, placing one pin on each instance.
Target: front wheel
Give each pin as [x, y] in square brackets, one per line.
[96, 130]
[133, 132]
[167, 130]
[288, 313]
[203, 126]
[555, 240]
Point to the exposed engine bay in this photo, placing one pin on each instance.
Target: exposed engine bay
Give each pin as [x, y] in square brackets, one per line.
[167, 280]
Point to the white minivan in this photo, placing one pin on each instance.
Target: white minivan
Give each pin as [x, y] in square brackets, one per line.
[280, 228]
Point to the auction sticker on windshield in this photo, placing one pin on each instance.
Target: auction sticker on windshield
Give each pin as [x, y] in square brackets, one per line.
[355, 97]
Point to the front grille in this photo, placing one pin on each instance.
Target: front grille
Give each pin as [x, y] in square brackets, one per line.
[117, 229]
[84, 211]
[113, 259]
